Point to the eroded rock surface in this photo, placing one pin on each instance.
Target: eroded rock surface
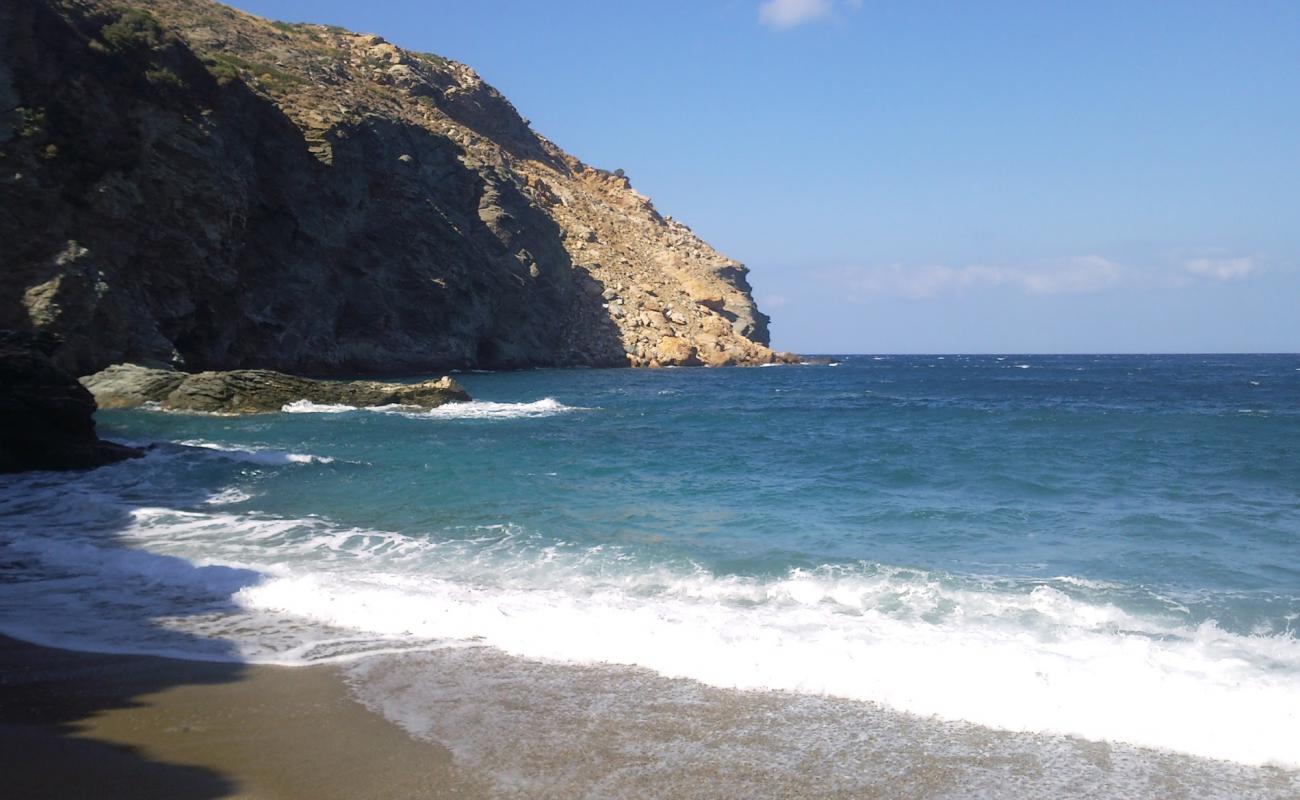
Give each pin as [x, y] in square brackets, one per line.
[255, 390]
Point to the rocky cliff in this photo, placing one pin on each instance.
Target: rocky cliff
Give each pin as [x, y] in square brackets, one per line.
[182, 183]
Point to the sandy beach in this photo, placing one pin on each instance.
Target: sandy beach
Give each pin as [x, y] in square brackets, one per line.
[85, 725]
[79, 725]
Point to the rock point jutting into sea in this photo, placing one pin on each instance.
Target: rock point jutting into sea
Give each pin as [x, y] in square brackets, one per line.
[252, 391]
[188, 185]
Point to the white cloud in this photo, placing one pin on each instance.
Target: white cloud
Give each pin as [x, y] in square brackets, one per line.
[1066, 276]
[1076, 275]
[1223, 269]
[785, 14]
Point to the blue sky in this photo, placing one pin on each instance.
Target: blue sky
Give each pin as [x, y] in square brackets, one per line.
[931, 176]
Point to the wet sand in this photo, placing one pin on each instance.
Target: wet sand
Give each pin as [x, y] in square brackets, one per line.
[81, 725]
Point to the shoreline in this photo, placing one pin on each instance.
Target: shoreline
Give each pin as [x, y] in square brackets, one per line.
[76, 724]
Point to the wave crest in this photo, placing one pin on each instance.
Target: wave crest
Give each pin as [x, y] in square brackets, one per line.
[486, 409]
[474, 409]
[256, 455]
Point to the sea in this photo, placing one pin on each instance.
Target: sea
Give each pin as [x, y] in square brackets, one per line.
[897, 576]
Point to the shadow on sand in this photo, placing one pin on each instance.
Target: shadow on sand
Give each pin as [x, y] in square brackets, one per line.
[49, 697]
[46, 699]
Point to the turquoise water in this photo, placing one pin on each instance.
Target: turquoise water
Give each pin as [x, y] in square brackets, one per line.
[1101, 546]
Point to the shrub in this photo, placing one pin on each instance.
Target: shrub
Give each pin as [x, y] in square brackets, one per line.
[222, 71]
[226, 67]
[133, 30]
[163, 78]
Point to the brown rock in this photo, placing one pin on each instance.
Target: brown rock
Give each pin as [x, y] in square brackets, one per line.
[656, 319]
[713, 358]
[675, 351]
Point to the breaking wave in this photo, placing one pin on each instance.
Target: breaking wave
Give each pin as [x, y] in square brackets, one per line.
[474, 409]
[1062, 655]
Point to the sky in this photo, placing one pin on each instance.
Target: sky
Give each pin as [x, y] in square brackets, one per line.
[930, 177]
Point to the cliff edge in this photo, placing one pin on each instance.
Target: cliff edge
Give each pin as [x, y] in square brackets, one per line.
[185, 184]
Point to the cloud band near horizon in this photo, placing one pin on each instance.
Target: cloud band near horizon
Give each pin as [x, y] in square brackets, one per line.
[1076, 275]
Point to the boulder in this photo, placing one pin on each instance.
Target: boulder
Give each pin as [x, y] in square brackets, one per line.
[256, 390]
[656, 319]
[46, 417]
[706, 293]
[713, 358]
[677, 352]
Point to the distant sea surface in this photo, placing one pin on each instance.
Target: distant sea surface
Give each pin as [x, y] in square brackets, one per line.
[1068, 552]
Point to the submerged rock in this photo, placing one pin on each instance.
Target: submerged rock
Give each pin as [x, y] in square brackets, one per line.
[255, 390]
[46, 417]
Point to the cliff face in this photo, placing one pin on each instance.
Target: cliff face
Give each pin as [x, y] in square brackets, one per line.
[182, 183]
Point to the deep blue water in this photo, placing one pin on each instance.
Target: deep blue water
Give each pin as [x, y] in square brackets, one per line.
[1091, 520]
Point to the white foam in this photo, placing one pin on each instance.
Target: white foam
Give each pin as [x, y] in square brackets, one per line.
[228, 497]
[1053, 657]
[474, 409]
[1036, 661]
[254, 455]
[486, 409]
[157, 406]
[535, 729]
[308, 407]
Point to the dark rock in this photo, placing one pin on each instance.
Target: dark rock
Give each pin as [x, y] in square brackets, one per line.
[192, 222]
[46, 417]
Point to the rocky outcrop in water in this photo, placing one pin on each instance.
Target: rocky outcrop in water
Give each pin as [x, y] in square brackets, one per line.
[255, 390]
[46, 417]
[187, 185]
